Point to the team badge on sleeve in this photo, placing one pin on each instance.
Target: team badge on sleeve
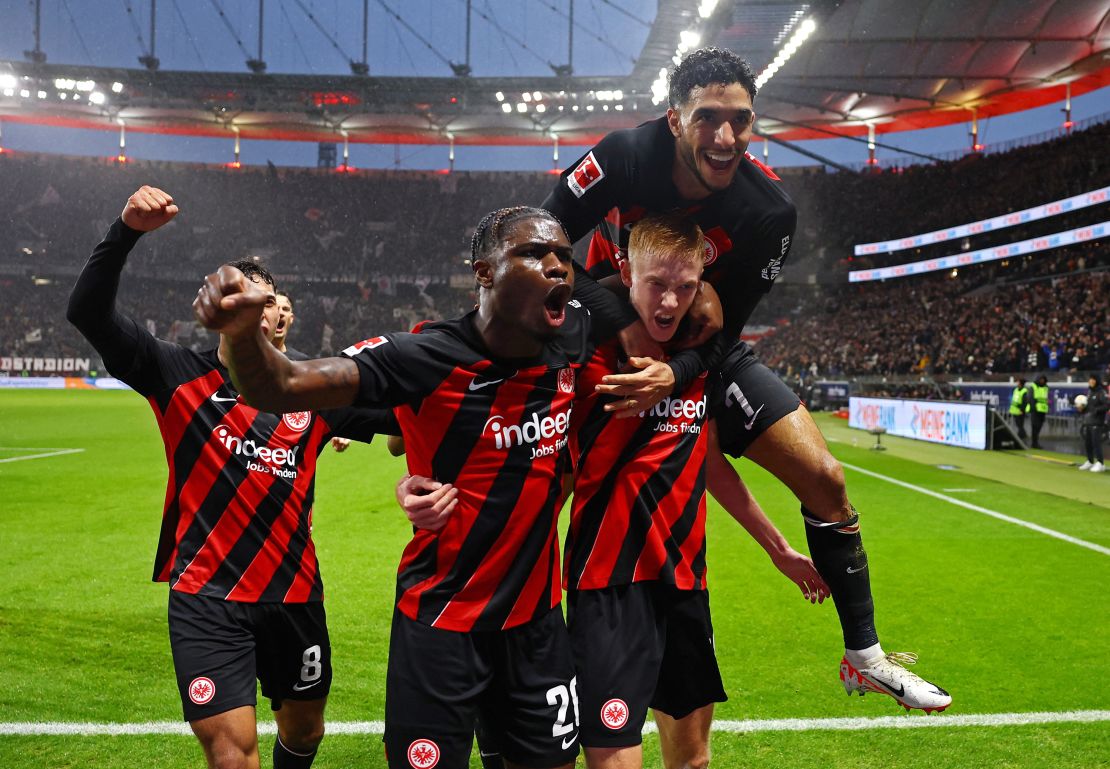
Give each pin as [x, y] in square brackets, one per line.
[586, 175]
[423, 754]
[365, 344]
[202, 690]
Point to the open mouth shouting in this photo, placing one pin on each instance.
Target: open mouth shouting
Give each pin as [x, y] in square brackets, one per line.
[555, 304]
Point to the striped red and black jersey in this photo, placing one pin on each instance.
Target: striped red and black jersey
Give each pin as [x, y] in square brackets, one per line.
[497, 430]
[749, 226]
[639, 487]
[237, 517]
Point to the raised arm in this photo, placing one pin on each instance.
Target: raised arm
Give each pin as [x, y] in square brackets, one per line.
[232, 305]
[729, 490]
[92, 303]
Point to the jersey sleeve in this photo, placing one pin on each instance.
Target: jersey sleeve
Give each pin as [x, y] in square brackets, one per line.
[594, 184]
[362, 423]
[129, 351]
[393, 369]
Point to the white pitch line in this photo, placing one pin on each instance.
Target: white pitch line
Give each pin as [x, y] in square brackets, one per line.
[49, 453]
[984, 511]
[56, 728]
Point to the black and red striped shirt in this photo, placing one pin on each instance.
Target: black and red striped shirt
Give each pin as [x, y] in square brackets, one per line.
[497, 430]
[639, 487]
[237, 517]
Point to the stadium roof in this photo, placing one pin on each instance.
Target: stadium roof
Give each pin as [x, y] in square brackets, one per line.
[892, 64]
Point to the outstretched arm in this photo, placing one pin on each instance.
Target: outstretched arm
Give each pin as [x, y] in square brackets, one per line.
[232, 305]
[727, 488]
[92, 304]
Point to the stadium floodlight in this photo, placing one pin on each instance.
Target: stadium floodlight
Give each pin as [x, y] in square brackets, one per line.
[506, 107]
[689, 38]
[541, 108]
[8, 81]
[526, 96]
[800, 35]
[619, 108]
[65, 84]
[706, 8]
[618, 94]
[499, 96]
[42, 94]
[9, 92]
[85, 85]
[521, 107]
[117, 87]
[25, 93]
[96, 97]
[536, 95]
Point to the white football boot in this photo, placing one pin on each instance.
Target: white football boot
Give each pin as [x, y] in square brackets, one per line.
[886, 675]
[1086, 465]
[1098, 467]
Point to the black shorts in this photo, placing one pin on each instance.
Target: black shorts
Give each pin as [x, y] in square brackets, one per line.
[750, 399]
[221, 647]
[637, 646]
[519, 682]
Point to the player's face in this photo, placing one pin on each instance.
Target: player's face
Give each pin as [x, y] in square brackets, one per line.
[269, 311]
[284, 318]
[662, 292]
[712, 130]
[532, 277]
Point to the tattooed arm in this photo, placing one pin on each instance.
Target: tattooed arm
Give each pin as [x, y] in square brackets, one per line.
[232, 305]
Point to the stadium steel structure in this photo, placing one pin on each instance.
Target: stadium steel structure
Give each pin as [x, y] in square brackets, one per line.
[868, 65]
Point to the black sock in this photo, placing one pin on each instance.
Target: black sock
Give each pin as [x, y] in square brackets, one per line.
[837, 552]
[284, 758]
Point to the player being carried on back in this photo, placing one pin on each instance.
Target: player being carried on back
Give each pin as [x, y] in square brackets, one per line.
[695, 159]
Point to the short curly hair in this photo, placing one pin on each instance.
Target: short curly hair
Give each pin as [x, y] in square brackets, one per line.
[708, 65]
[255, 272]
[488, 233]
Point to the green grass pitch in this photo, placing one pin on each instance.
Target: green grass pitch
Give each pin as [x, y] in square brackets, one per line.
[1007, 619]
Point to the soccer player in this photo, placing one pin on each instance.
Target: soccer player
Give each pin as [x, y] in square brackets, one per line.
[245, 598]
[637, 603]
[484, 404]
[284, 324]
[695, 159]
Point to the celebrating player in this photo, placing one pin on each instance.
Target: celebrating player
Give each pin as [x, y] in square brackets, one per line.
[246, 595]
[484, 403]
[637, 603]
[695, 159]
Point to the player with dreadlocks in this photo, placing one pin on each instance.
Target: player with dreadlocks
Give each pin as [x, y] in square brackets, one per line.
[484, 404]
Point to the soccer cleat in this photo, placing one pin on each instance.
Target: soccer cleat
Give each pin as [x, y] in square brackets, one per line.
[1086, 465]
[886, 675]
[1098, 467]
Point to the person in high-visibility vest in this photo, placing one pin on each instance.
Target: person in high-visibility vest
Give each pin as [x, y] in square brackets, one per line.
[1040, 407]
[1021, 403]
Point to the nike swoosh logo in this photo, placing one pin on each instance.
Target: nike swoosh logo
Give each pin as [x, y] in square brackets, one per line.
[299, 688]
[853, 571]
[748, 425]
[568, 741]
[900, 691]
[476, 385]
[218, 399]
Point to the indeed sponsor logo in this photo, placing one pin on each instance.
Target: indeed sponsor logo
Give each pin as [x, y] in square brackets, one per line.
[270, 460]
[534, 430]
[673, 408]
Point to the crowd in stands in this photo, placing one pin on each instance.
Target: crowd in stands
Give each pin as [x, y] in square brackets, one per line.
[1044, 312]
[374, 251]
